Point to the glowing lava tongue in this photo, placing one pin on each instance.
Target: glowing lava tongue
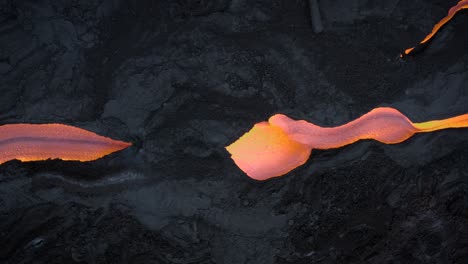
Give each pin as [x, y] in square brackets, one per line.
[463, 4]
[273, 148]
[32, 142]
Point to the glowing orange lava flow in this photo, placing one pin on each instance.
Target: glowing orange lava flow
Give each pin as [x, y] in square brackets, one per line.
[463, 4]
[33, 142]
[274, 148]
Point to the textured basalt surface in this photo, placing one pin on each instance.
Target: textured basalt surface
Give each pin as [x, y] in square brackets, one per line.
[183, 79]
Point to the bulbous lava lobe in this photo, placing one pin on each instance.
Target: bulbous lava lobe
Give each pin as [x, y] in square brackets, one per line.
[266, 151]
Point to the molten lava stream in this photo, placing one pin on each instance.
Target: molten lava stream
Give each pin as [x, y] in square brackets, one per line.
[273, 148]
[452, 12]
[33, 142]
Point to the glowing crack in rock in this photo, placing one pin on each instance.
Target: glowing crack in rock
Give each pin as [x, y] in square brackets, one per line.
[452, 12]
[273, 148]
[34, 142]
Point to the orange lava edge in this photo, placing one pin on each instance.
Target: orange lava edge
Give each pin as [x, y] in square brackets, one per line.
[452, 12]
[35, 142]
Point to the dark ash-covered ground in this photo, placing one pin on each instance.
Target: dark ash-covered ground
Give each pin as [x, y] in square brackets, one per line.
[182, 79]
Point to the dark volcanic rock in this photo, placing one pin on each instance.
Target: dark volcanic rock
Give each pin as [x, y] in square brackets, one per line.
[183, 79]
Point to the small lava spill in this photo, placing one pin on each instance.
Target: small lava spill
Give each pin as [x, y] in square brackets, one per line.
[35, 142]
[271, 149]
[463, 4]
